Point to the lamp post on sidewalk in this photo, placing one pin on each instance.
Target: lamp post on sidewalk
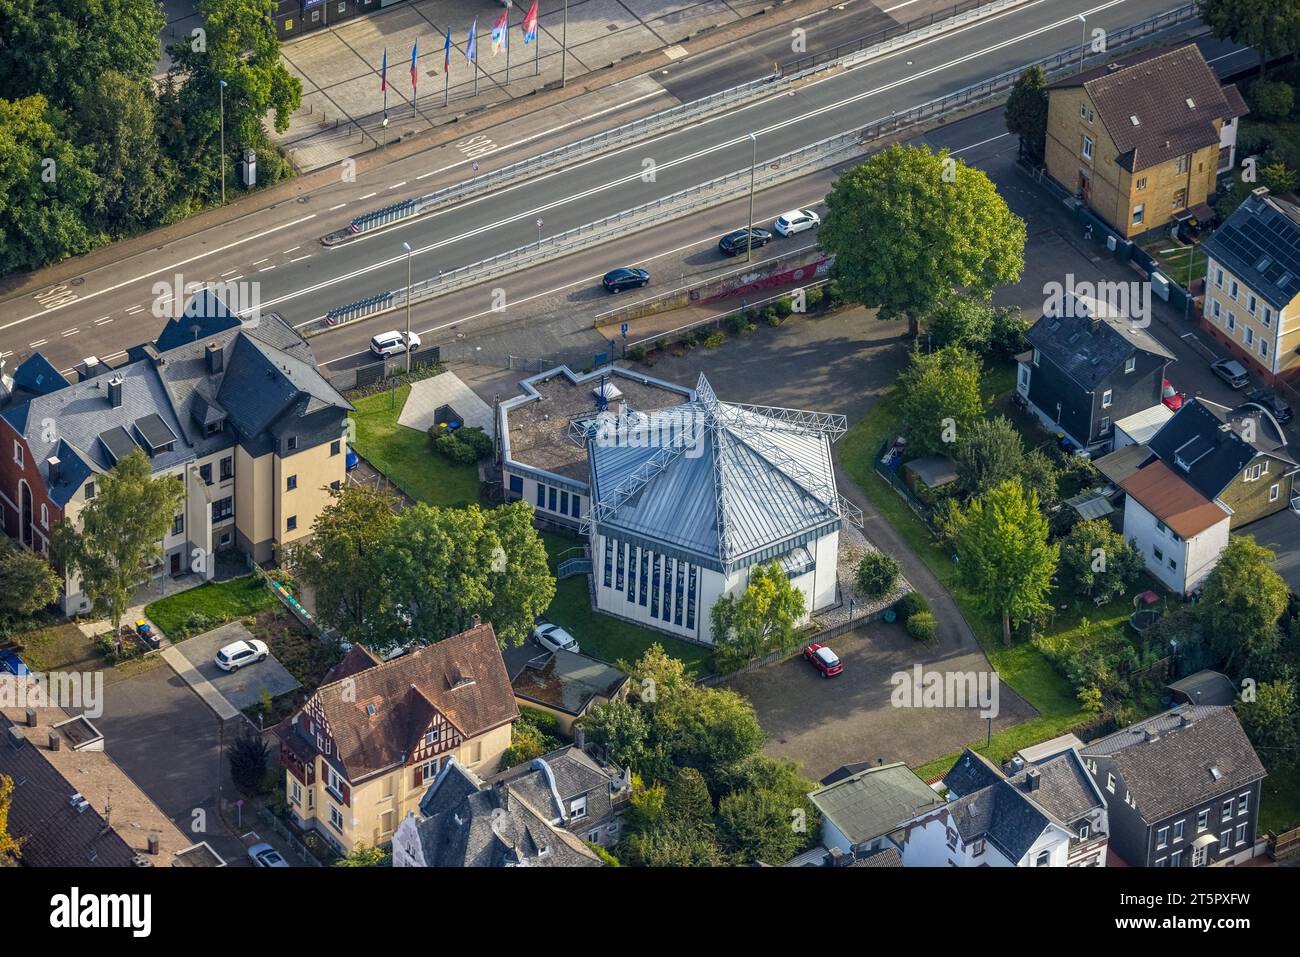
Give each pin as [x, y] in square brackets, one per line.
[221, 95]
[407, 247]
[753, 167]
[1083, 40]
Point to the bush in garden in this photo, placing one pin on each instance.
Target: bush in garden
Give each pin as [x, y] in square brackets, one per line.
[715, 339]
[784, 306]
[1271, 99]
[910, 604]
[923, 627]
[737, 323]
[476, 439]
[637, 353]
[878, 574]
[813, 298]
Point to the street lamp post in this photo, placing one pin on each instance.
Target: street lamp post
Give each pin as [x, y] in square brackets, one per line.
[407, 247]
[539, 230]
[221, 94]
[564, 48]
[1083, 40]
[753, 167]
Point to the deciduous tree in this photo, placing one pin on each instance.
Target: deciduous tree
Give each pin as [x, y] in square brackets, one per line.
[988, 453]
[1026, 112]
[1097, 562]
[29, 582]
[1242, 601]
[939, 399]
[1270, 27]
[759, 621]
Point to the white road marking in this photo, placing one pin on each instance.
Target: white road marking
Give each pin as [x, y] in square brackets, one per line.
[266, 269]
[339, 206]
[300, 259]
[398, 185]
[37, 343]
[899, 6]
[286, 252]
[267, 259]
[132, 310]
[980, 143]
[227, 273]
[69, 332]
[104, 321]
[367, 196]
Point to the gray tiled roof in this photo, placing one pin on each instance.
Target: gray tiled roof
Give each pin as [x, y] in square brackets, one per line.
[766, 511]
[573, 774]
[1000, 815]
[1197, 752]
[873, 802]
[1087, 350]
[1199, 436]
[1260, 245]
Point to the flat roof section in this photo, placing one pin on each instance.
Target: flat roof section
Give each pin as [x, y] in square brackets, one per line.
[539, 429]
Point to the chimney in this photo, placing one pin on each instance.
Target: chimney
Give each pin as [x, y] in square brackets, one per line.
[52, 463]
[1033, 780]
[153, 843]
[115, 392]
[215, 358]
[88, 369]
[475, 621]
[56, 741]
[151, 353]
[503, 796]
[31, 717]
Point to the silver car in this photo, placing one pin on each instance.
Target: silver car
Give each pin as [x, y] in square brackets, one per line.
[554, 638]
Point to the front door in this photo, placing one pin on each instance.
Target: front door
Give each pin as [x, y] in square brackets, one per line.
[1083, 185]
[176, 564]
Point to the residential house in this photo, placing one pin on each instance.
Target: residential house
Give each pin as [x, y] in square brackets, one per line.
[1088, 367]
[1047, 814]
[72, 805]
[1144, 138]
[1252, 285]
[860, 810]
[820, 856]
[1238, 458]
[361, 752]
[564, 684]
[580, 794]
[1183, 788]
[239, 412]
[1179, 531]
[462, 821]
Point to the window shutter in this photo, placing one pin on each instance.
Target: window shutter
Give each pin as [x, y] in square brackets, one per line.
[346, 792]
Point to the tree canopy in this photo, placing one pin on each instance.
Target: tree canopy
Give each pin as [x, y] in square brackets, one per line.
[1026, 111]
[1242, 601]
[1270, 27]
[760, 620]
[939, 399]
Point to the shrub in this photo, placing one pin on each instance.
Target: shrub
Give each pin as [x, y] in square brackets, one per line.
[1271, 99]
[834, 294]
[637, 353]
[878, 574]
[910, 604]
[784, 306]
[738, 323]
[716, 338]
[923, 627]
[476, 439]
[813, 298]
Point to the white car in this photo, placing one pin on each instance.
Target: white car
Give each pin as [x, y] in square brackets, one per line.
[554, 638]
[239, 653]
[264, 855]
[393, 343]
[796, 221]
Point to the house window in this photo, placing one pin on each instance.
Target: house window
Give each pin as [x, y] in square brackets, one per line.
[578, 808]
[1227, 810]
[1233, 289]
[1173, 565]
[223, 508]
[1107, 397]
[18, 454]
[1084, 831]
[291, 443]
[976, 848]
[178, 524]
[550, 499]
[1218, 278]
[1250, 304]
[334, 783]
[1178, 830]
[1203, 820]
[1162, 862]
[431, 737]
[1176, 859]
[1044, 858]
[1142, 182]
[1139, 213]
[1241, 833]
[429, 770]
[1162, 837]
[336, 819]
[336, 447]
[1250, 335]
[1179, 200]
[90, 491]
[1087, 147]
[1035, 359]
[291, 524]
[1155, 550]
[1083, 109]
[1130, 364]
[1214, 308]
[205, 473]
[291, 484]
[517, 485]
[227, 468]
[295, 792]
[1103, 427]
[45, 515]
[1266, 315]
[1110, 782]
[1232, 323]
[609, 562]
[1225, 841]
[1183, 163]
[1272, 492]
[1243, 803]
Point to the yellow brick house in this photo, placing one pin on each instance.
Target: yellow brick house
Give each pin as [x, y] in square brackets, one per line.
[1144, 138]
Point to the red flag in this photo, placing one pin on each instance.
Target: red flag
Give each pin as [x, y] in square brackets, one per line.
[415, 48]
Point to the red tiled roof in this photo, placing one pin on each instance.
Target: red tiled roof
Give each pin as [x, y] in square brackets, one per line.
[1166, 496]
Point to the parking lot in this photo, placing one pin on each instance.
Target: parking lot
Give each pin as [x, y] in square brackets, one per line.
[241, 688]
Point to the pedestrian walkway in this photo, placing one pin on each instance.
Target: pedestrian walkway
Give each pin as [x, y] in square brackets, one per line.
[213, 698]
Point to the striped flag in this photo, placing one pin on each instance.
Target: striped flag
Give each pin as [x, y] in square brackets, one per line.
[530, 23]
[500, 31]
[383, 73]
[446, 54]
[415, 52]
[471, 51]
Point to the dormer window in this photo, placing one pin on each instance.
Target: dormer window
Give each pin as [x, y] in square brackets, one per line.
[431, 738]
[291, 443]
[1130, 364]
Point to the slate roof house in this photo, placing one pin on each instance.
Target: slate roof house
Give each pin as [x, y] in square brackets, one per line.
[1183, 788]
[1144, 138]
[463, 821]
[1048, 814]
[1252, 285]
[237, 410]
[581, 795]
[1088, 367]
[360, 753]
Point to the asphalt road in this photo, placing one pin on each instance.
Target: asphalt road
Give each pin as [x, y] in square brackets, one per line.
[301, 280]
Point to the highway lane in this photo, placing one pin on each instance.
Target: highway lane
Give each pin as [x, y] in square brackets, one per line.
[303, 280]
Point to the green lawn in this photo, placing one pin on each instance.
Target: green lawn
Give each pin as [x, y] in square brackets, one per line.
[601, 636]
[217, 602]
[1173, 257]
[1279, 802]
[1022, 667]
[404, 455]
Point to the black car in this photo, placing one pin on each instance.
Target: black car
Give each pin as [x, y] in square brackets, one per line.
[735, 242]
[1276, 405]
[625, 277]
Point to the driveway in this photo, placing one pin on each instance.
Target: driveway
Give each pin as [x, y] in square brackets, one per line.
[169, 742]
[1280, 532]
[243, 687]
[824, 723]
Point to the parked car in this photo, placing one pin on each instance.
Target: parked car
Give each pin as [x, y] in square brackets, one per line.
[824, 660]
[1272, 402]
[10, 663]
[393, 343]
[625, 277]
[1232, 372]
[796, 221]
[239, 653]
[264, 855]
[735, 242]
[1170, 397]
[554, 638]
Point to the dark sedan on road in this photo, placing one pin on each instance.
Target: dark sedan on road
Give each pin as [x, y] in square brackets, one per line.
[735, 242]
[1271, 402]
[626, 277]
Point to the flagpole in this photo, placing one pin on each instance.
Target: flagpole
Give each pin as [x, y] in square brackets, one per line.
[564, 47]
[475, 57]
[507, 46]
[537, 45]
